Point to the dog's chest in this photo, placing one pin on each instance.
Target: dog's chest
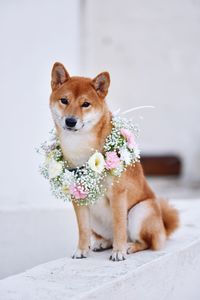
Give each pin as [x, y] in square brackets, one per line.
[77, 148]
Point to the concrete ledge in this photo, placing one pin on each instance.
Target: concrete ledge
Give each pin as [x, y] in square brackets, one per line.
[35, 235]
[172, 273]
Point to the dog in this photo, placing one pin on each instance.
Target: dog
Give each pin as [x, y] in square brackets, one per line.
[129, 218]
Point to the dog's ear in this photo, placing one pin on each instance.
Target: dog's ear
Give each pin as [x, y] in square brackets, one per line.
[101, 84]
[59, 75]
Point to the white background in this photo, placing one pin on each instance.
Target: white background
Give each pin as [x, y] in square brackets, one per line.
[34, 34]
[152, 50]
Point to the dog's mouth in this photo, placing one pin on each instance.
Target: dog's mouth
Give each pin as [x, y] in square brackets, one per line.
[79, 127]
[73, 129]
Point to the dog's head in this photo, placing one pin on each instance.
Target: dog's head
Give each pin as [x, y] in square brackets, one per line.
[77, 103]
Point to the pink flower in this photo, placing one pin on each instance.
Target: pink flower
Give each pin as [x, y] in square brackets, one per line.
[112, 160]
[78, 192]
[128, 135]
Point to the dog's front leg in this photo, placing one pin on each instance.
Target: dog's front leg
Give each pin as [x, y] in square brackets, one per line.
[83, 220]
[119, 218]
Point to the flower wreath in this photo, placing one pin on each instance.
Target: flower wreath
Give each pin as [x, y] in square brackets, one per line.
[84, 184]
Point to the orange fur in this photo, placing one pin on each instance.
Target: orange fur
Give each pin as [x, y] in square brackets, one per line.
[84, 227]
[169, 216]
[129, 193]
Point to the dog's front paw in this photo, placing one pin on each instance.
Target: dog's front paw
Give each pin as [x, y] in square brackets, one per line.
[101, 245]
[117, 255]
[80, 254]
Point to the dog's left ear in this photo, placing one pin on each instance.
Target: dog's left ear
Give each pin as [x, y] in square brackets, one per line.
[59, 75]
[101, 84]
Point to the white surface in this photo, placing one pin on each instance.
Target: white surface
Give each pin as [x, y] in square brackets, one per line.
[34, 34]
[172, 273]
[152, 51]
[29, 237]
[51, 225]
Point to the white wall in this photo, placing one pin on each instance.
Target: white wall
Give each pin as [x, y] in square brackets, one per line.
[152, 50]
[34, 34]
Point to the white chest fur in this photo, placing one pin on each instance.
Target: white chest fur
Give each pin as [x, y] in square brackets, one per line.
[101, 218]
[76, 147]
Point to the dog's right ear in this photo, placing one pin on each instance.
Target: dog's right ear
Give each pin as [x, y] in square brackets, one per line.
[59, 75]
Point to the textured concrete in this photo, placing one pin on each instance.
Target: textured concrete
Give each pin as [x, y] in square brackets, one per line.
[172, 273]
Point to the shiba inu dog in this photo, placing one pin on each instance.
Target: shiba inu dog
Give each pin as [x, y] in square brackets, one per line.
[129, 218]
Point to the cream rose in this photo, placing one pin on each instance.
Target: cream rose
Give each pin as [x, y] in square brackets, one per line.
[55, 168]
[97, 162]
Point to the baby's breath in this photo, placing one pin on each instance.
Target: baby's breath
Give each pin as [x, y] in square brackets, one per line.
[85, 185]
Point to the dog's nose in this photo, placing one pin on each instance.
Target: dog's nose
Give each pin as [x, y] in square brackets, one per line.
[70, 122]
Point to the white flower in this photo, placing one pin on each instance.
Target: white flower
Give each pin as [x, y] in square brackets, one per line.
[125, 155]
[117, 171]
[55, 168]
[66, 189]
[67, 179]
[68, 176]
[49, 158]
[97, 162]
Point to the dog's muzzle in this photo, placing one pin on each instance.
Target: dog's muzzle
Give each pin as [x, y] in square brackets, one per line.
[70, 122]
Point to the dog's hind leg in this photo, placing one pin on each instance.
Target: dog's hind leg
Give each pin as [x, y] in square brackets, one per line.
[100, 244]
[136, 246]
[145, 227]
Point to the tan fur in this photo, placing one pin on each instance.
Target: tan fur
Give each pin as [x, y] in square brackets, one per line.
[125, 195]
[82, 213]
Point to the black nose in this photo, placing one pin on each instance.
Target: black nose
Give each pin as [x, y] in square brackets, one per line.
[70, 122]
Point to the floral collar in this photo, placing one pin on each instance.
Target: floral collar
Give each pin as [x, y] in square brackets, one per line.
[84, 185]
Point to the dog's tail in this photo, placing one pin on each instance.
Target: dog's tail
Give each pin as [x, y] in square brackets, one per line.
[170, 216]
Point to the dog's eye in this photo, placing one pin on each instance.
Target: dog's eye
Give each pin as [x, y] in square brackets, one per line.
[85, 104]
[64, 101]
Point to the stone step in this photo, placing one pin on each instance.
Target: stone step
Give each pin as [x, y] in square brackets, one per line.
[172, 273]
[35, 235]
